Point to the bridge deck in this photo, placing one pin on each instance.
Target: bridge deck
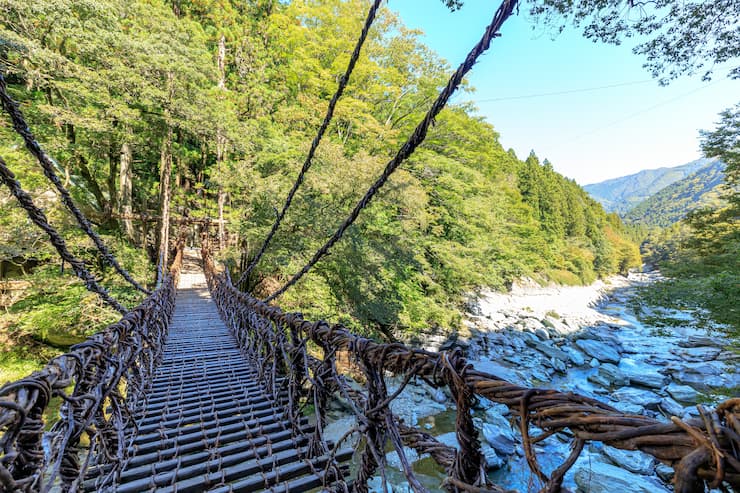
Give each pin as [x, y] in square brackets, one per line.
[208, 424]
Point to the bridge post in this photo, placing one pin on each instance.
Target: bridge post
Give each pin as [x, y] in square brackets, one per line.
[374, 424]
[467, 465]
[31, 454]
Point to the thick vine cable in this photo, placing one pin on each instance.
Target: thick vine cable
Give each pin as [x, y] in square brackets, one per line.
[39, 219]
[21, 127]
[502, 13]
[343, 81]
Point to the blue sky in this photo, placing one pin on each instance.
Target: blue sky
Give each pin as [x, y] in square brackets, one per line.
[587, 135]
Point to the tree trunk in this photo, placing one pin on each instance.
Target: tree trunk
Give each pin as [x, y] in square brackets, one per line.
[114, 160]
[125, 199]
[221, 144]
[165, 170]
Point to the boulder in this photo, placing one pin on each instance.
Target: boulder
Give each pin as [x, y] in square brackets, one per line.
[599, 350]
[599, 477]
[628, 407]
[698, 353]
[542, 333]
[549, 350]
[556, 326]
[498, 434]
[613, 375]
[439, 396]
[664, 472]
[634, 461]
[644, 398]
[394, 460]
[698, 341]
[682, 393]
[558, 364]
[671, 407]
[449, 439]
[574, 355]
[490, 459]
[642, 374]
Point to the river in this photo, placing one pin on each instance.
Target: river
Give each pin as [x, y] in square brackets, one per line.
[587, 340]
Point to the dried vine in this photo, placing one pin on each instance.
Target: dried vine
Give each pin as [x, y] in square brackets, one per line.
[109, 373]
[21, 127]
[703, 452]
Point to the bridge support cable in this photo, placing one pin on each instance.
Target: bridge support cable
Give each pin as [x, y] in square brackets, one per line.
[12, 108]
[317, 139]
[703, 451]
[417, 137]
[39, 219]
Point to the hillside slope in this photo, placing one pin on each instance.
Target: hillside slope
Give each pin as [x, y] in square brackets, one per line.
[622, 194]
[671, 204]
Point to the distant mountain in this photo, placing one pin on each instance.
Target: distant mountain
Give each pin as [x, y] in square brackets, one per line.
[622, 194]
[672, 203]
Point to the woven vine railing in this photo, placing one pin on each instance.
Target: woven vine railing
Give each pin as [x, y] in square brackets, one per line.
[100, 383]
[704, 452]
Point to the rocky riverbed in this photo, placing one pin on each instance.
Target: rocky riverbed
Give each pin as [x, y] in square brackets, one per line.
[581, 339]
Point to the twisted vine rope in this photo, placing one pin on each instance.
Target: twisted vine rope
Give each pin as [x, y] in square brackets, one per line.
[703, 452]
[343, 81]
[109, 373]
[38, 217]
[21, 127]
[503, 12]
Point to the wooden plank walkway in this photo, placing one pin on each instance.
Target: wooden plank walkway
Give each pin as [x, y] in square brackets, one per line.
[209, 425]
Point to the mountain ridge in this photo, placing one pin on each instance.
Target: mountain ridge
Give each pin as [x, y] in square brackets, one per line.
[672, 203]
[623, 193]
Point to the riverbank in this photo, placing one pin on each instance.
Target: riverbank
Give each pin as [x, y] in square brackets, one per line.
[581, 339]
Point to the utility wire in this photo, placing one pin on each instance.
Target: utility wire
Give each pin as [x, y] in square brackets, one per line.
[315, 144]
[502, 13]
[642, 111]
[567, 91]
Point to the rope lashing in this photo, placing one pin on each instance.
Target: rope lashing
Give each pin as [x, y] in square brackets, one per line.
[502, 13]
[12, 108]
[39, 219]
[315, 144]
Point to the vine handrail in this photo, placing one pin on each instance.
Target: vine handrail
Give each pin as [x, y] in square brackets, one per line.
[703, 452]
[108, 374]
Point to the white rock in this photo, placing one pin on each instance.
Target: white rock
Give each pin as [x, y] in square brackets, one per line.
[599, 477]
[632, 460]
[682, 393]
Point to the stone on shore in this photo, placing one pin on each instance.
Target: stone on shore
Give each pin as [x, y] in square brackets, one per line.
[644, 398]
[599, 350]
[599, 477]
[641, 374]
[682, 393]
[632, 460]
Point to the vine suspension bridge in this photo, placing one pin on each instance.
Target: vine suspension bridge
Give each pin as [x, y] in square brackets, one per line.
[203, 387]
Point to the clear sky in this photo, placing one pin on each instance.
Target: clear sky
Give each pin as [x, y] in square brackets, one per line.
[587, 135]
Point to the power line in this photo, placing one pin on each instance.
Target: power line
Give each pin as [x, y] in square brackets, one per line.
[567, 91]
[640, 112]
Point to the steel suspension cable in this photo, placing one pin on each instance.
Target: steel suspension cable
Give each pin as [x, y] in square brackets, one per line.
[502, 13]
[315, 143]
[39, 219]
[21, 127]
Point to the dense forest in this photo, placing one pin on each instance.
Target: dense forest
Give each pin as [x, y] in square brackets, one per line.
[221, 101]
